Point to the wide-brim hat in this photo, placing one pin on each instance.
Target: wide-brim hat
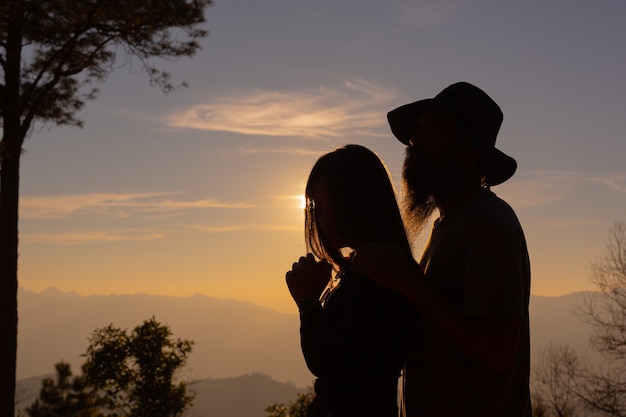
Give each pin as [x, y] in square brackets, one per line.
[474, 113]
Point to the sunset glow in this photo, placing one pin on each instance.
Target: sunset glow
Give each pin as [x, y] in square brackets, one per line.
[302, 200]
[200, 191]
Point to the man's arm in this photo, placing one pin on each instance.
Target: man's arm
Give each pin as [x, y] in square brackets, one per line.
[492, 342]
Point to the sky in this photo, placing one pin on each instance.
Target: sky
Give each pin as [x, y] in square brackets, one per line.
[199, 191]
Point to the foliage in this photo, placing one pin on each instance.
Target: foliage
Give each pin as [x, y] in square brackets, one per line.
[607, 314]
[295, 408]
[70, 44]
[604, 386]
[554, 388]
[125, 374]
[135, 371]
[68, 396]
[567, 386]
[52, 55]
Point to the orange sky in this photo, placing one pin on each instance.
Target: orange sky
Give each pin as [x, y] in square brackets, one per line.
[195, 192]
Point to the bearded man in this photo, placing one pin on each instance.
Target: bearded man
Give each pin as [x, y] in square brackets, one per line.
[470, 353]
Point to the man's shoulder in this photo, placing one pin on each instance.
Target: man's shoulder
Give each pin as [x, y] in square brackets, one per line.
[490, 206]
[490, 212]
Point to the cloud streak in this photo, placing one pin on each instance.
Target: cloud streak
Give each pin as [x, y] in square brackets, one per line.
[540, 188]
[114, 205]
[247, 227]
[143, 235]
[283, 150]
[99, 236]
[317, 113]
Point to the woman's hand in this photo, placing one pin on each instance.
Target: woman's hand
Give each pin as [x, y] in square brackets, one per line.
[308, 278]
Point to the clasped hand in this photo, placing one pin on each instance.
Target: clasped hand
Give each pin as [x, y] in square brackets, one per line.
[308, 278]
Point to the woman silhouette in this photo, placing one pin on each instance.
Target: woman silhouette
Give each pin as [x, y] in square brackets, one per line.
[354, 333]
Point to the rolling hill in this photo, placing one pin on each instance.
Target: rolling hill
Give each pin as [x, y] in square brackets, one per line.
[232, 338]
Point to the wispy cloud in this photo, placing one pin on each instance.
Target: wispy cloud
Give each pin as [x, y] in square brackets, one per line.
[80, 238]
[283, 150]
[556, 223]
[539, 188]
[614, 182]
[247, 227]
[323, 112]
[114, 205]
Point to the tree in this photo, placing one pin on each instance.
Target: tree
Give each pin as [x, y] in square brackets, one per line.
[555, 383]
[135, 372]
[52, 53]
[607, 314]
[565, 384]
[68, 396]
[297, 408]
[604, 385]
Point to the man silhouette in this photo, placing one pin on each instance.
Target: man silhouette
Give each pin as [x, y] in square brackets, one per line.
[471, 287]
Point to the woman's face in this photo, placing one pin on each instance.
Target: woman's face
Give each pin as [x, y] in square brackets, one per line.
[326, 217]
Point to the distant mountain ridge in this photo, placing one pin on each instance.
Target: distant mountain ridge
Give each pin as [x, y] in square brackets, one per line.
[232, 338]
[243, 396]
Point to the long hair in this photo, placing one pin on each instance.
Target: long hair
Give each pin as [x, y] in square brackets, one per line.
[362, 199]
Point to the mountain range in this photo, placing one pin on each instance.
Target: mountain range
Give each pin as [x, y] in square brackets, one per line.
[243, 396]
[238, 344]
[231, 338]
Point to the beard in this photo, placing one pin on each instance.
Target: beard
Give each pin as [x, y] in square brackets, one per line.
[425, 182]
[419, 200]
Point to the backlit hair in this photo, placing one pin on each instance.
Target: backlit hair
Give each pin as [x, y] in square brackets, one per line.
[362, 199]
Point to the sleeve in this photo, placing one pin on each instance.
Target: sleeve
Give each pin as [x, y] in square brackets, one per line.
[362, 331]
[374, 333]
[496, 266]
[312, 335]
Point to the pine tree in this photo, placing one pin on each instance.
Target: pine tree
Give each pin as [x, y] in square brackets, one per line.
[52, 54]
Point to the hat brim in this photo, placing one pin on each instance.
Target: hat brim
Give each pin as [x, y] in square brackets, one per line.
[403, 120]
[498, 167]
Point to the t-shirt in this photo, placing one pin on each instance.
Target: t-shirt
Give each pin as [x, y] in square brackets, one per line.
[477, 258]
[357, 344]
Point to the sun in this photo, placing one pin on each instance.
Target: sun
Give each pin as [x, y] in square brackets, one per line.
[302, 200]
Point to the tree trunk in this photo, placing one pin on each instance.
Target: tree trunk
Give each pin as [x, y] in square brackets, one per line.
[12, 140]
[8, 277]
